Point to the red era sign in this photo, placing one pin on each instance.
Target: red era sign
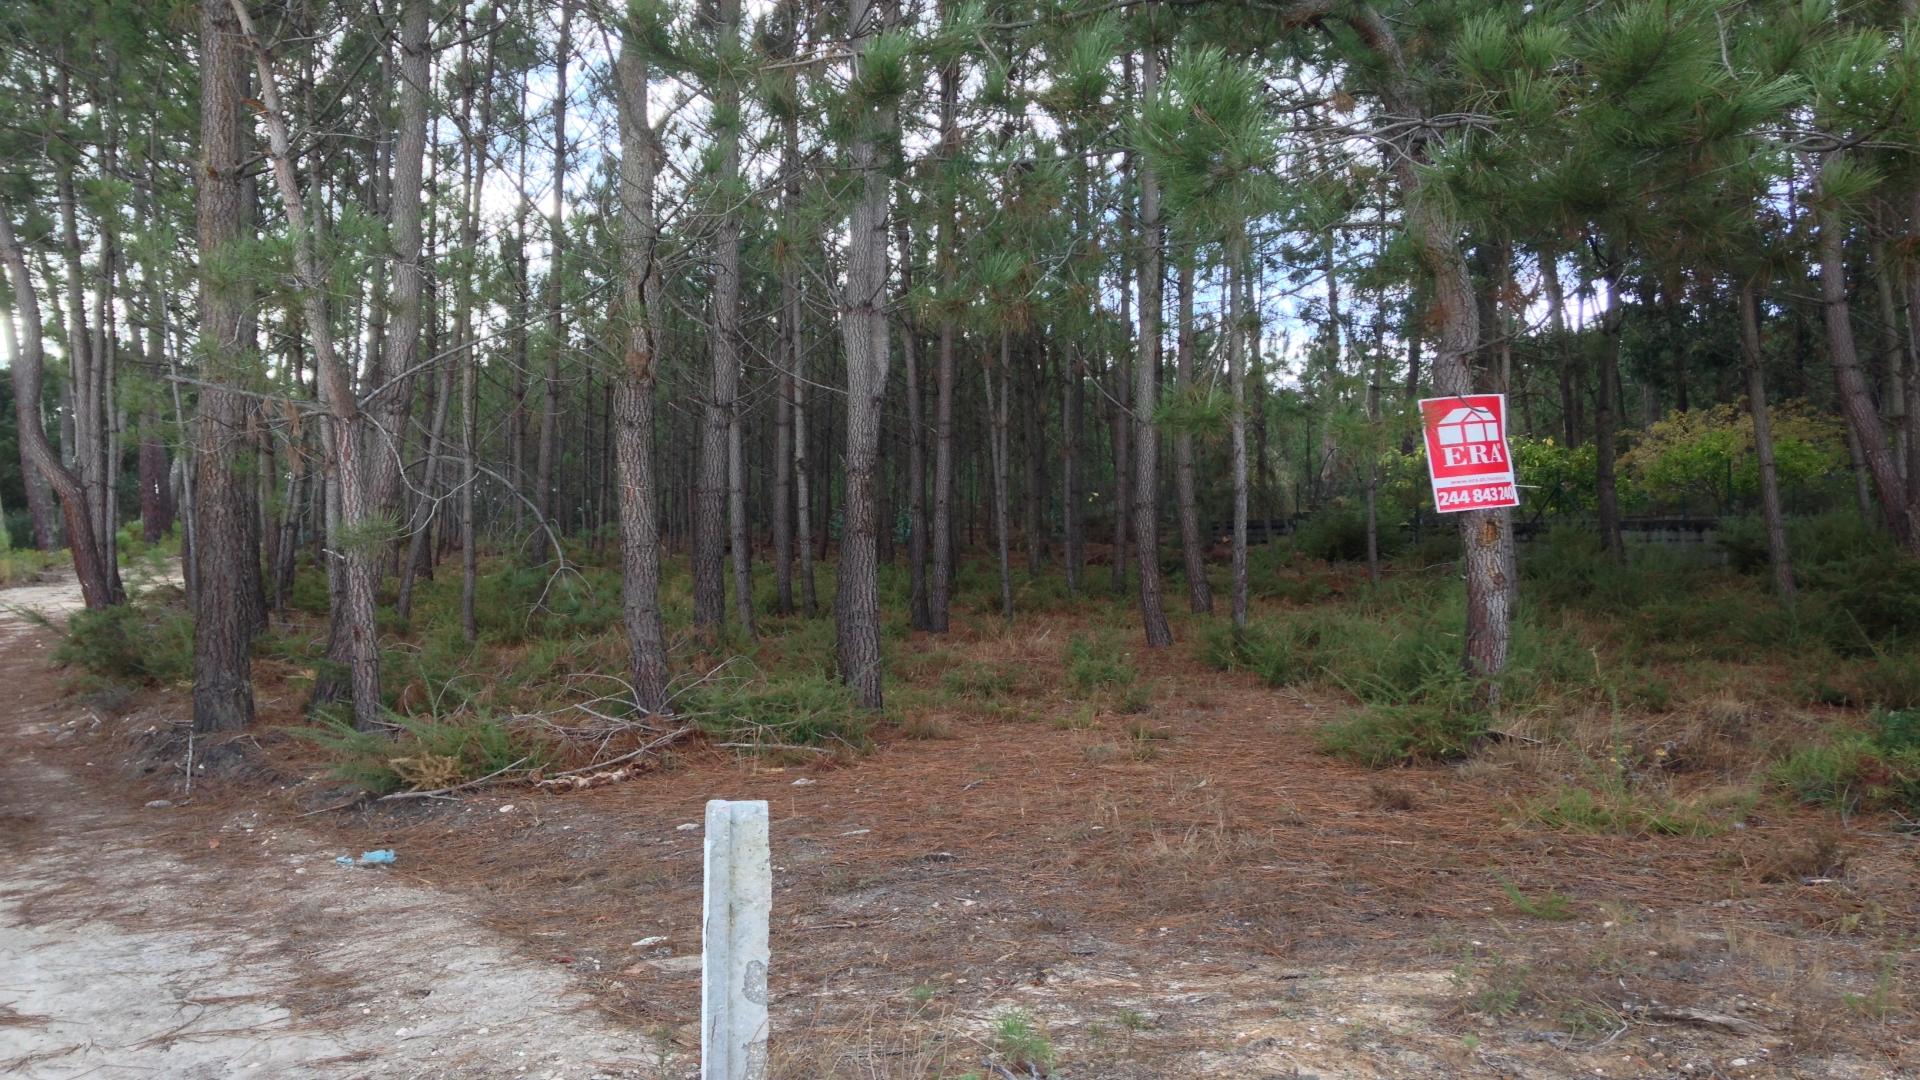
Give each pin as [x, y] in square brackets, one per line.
[1467, 452]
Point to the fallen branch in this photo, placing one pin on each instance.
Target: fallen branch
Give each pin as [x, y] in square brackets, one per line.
[623, 758]
[770, 746]
[438, 793]
[1702, 1018]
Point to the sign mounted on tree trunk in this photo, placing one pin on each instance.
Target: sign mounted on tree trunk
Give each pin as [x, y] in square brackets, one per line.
[1467, 454]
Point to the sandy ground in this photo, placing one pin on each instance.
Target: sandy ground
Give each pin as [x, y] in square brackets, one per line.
[1227, 904]
[141, 964]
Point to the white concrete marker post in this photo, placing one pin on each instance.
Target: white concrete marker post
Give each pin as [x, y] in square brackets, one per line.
[733, 962]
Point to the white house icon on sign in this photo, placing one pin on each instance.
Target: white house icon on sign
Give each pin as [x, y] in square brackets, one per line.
[1470, 436]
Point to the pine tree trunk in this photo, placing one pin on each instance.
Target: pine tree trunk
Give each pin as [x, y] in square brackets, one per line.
[802, 462]
[1606, 419]
[28, 368]
[1032, 424]
[863, 324]
[1237, 318]
[1856, 401]
[156, 509]
[547, 458]
[783, 456]
[476, 177]
[1912, 382]
[1146, 388]
[721, 461]
[390, 397]
[1072, 438]
[1119, 411]
[88, 376]
[356, 542]
[940, 588]
[40, 508]
[1192, 544]
[633, 396]
[997, 451]
[710, 503]
[1567, 356]
[1770, 513]
[919, 614]
[223, 634]
[427, 507]
[1375, 440]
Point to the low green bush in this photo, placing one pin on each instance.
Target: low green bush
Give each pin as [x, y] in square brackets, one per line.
[791, 710]
[1097, 665]
[1412, 732]
[423, 753]
[976, 682]
[129, 643]
[1339, 534]
[1854, 770]
[1891, 681]
[1615, 807]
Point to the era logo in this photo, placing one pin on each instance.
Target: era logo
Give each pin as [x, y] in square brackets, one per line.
[1467, 446]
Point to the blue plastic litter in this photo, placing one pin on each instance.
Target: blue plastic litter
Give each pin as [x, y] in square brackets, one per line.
[383, 857]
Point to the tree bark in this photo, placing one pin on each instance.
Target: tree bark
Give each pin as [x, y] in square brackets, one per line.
[802, 461]
[920, 617]
[1856, 401]
[633, 396]
[1192, 544]
[390, 389]
[1032, 424]
[356, 542]
[1566, 355]
[997, 447]
[1237, 422]
[1606, 418]
[1911, 384]
[1146, 388]
[1770, 513]
[940, 588]
[863, 323]
[548, 456]
[223, 634]
[723, 468]
[28, 368]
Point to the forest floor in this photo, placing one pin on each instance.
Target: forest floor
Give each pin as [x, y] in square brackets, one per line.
[1192, 891]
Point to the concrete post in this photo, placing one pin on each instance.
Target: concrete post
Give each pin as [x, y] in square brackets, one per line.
[733, 968]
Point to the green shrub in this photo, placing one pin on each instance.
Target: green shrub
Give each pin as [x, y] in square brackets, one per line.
[130, 644]
[1305, 587]
[1096, 665]
[792, 710]
[1897, 730]
[1277, 651]
[309, 592]
[1549, 906]
[1615, 807]
[1852, 770]
[423, 753]
[1891, 681]
[1437, 546]
[1336, 534]
[23, 564]
[1879, 592]
[985, 683]
[1440, 729]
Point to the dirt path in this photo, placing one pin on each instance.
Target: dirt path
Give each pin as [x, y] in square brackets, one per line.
[123, 955]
